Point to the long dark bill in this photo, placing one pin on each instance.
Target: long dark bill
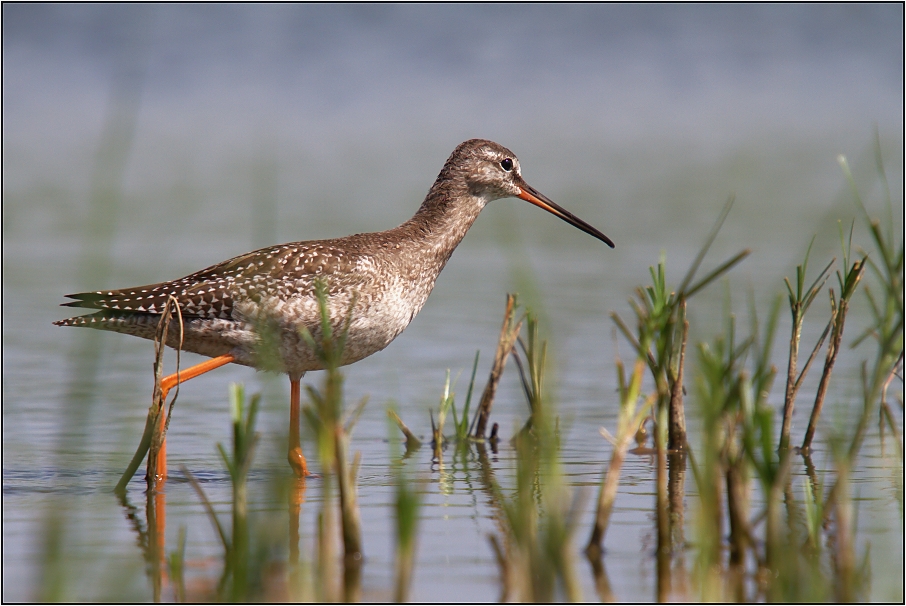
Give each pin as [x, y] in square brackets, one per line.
[530, 194]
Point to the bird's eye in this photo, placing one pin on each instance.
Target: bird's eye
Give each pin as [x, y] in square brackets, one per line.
[506, 164]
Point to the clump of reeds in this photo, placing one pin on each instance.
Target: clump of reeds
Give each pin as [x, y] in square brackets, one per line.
[461, 420]
[535, 552]
[532, 377]
[153, 440]
[631, 418]
[839, 309]
[733, 381]
[412, 441]
[661, 323]
[738, 443]
[659, 341]
[332, 428]
[468, 432]
[244, 574]
[437, 430]
[509, 332]
[732, 385]
[800, 299]
[407, 503]
[885, 298]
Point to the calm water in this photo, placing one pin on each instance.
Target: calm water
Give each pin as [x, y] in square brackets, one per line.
[232, 128]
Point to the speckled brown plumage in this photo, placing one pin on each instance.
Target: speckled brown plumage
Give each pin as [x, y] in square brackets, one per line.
[386, 276]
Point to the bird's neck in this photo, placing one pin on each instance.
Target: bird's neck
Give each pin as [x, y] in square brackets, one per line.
[443, 219]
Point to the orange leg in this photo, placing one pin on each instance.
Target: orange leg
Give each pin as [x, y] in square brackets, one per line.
[168, 383]
[295, 456]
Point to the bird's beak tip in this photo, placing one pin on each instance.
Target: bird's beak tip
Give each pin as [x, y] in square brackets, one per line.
[531, 195]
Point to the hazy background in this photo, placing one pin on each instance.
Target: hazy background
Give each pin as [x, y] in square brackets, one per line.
[144, 142]
[635, 115]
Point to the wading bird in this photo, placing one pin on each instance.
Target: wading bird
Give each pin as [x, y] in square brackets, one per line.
[381, 279]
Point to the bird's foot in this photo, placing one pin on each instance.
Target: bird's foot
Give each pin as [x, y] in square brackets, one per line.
[297, 462]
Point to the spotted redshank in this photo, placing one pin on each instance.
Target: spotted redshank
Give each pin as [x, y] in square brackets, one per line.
[385, 277]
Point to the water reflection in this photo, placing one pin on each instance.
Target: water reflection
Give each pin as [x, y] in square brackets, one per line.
[150, 531]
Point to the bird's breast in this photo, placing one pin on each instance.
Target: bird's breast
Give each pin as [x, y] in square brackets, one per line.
[376, 310]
